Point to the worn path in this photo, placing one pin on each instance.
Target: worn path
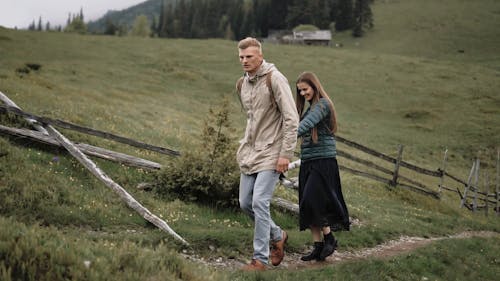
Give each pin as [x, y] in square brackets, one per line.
[389, 249]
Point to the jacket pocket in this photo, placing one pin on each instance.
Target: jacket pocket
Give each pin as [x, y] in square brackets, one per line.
[259, 146]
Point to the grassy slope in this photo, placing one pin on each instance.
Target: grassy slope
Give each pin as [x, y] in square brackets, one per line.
[415, 90]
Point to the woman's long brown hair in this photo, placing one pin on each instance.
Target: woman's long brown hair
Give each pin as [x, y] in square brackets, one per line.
[312, 80]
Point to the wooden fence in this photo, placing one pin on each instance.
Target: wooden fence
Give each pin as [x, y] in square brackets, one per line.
[45, 128]
[471, 189]
[394, 177]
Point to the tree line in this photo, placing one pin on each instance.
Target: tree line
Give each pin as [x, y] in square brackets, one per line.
[236, 19]
[75, 23]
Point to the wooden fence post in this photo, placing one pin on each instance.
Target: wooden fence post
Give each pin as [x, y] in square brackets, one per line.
[467, 185]
[476, 185]
[487, 190]
[394, 181]
[443, 171]
[498, 183]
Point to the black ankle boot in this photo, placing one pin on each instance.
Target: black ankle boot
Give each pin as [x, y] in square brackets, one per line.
[314, 255]
[329, 247]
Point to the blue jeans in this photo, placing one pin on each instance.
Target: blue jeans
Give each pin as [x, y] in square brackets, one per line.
[256, 192]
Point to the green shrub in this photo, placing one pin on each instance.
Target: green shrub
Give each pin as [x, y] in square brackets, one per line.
[208, 172]
[44, 253]
[305, 27]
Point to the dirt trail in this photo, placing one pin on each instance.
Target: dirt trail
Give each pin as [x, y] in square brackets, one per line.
[389, 249]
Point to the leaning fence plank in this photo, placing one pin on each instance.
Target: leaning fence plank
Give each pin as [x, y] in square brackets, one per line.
[31, 121]
[466, 187]
[455, 178]
[90, 131]
[124, 195]
[416, 183]
[490, 201]
[420, 190]
[91, 150]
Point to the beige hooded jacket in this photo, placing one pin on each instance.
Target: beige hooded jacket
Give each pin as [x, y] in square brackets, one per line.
[271, 130]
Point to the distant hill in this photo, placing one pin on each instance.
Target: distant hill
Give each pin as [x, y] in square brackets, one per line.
[126, 17]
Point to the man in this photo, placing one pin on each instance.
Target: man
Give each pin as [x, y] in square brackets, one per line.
[266, 149]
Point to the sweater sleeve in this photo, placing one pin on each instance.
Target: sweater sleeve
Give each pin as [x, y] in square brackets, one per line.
[317, 112]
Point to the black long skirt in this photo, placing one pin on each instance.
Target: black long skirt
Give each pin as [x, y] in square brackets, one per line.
[321, 202]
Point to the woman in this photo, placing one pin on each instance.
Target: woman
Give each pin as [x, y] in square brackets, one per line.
[321, 203]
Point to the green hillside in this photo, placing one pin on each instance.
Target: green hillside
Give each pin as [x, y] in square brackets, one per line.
[126, 17]
[403, 83]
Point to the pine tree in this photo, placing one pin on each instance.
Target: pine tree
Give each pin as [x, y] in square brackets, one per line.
[166, 20]
[363, 17]
[247, 26]
[344, 19]
[236, 18]
[81, 15]
[184, 15]
[76, 24]
[298, 13]
[32, 26]
[334, 9]
[153, 27]
[68, 22]
[111, 28]
[212, 19]
[47, 26]
[279, 10]
[321, 16]
[39, 26]
[196, 23]
[161, 19]
[261, 17]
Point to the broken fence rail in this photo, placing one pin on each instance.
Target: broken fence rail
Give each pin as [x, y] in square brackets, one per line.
[89, 131]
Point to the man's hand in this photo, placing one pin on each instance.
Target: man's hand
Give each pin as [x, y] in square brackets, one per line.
[282, 165]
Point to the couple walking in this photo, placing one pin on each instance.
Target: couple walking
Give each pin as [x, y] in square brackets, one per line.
[274, 121]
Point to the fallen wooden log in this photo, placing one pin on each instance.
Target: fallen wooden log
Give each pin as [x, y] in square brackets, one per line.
[88, 149]
[33, 122]
[289, 184]
[286, 205]
[124, 195]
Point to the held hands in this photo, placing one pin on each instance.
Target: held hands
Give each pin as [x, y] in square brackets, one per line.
[282, 165]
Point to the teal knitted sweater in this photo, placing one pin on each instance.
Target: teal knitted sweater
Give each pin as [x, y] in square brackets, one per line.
[317, 115]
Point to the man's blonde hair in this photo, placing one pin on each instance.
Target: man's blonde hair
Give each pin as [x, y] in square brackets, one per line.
[250, 42]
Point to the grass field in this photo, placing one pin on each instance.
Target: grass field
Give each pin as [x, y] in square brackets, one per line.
[405, 82]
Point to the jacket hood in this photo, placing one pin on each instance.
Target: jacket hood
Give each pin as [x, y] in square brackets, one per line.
[264, 69]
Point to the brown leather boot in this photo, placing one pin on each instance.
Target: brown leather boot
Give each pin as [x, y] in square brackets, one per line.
[255, 265]
[278, 249]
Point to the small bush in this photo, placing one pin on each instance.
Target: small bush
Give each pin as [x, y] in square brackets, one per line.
[208, 172]
[305, 27]
[45, 253]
